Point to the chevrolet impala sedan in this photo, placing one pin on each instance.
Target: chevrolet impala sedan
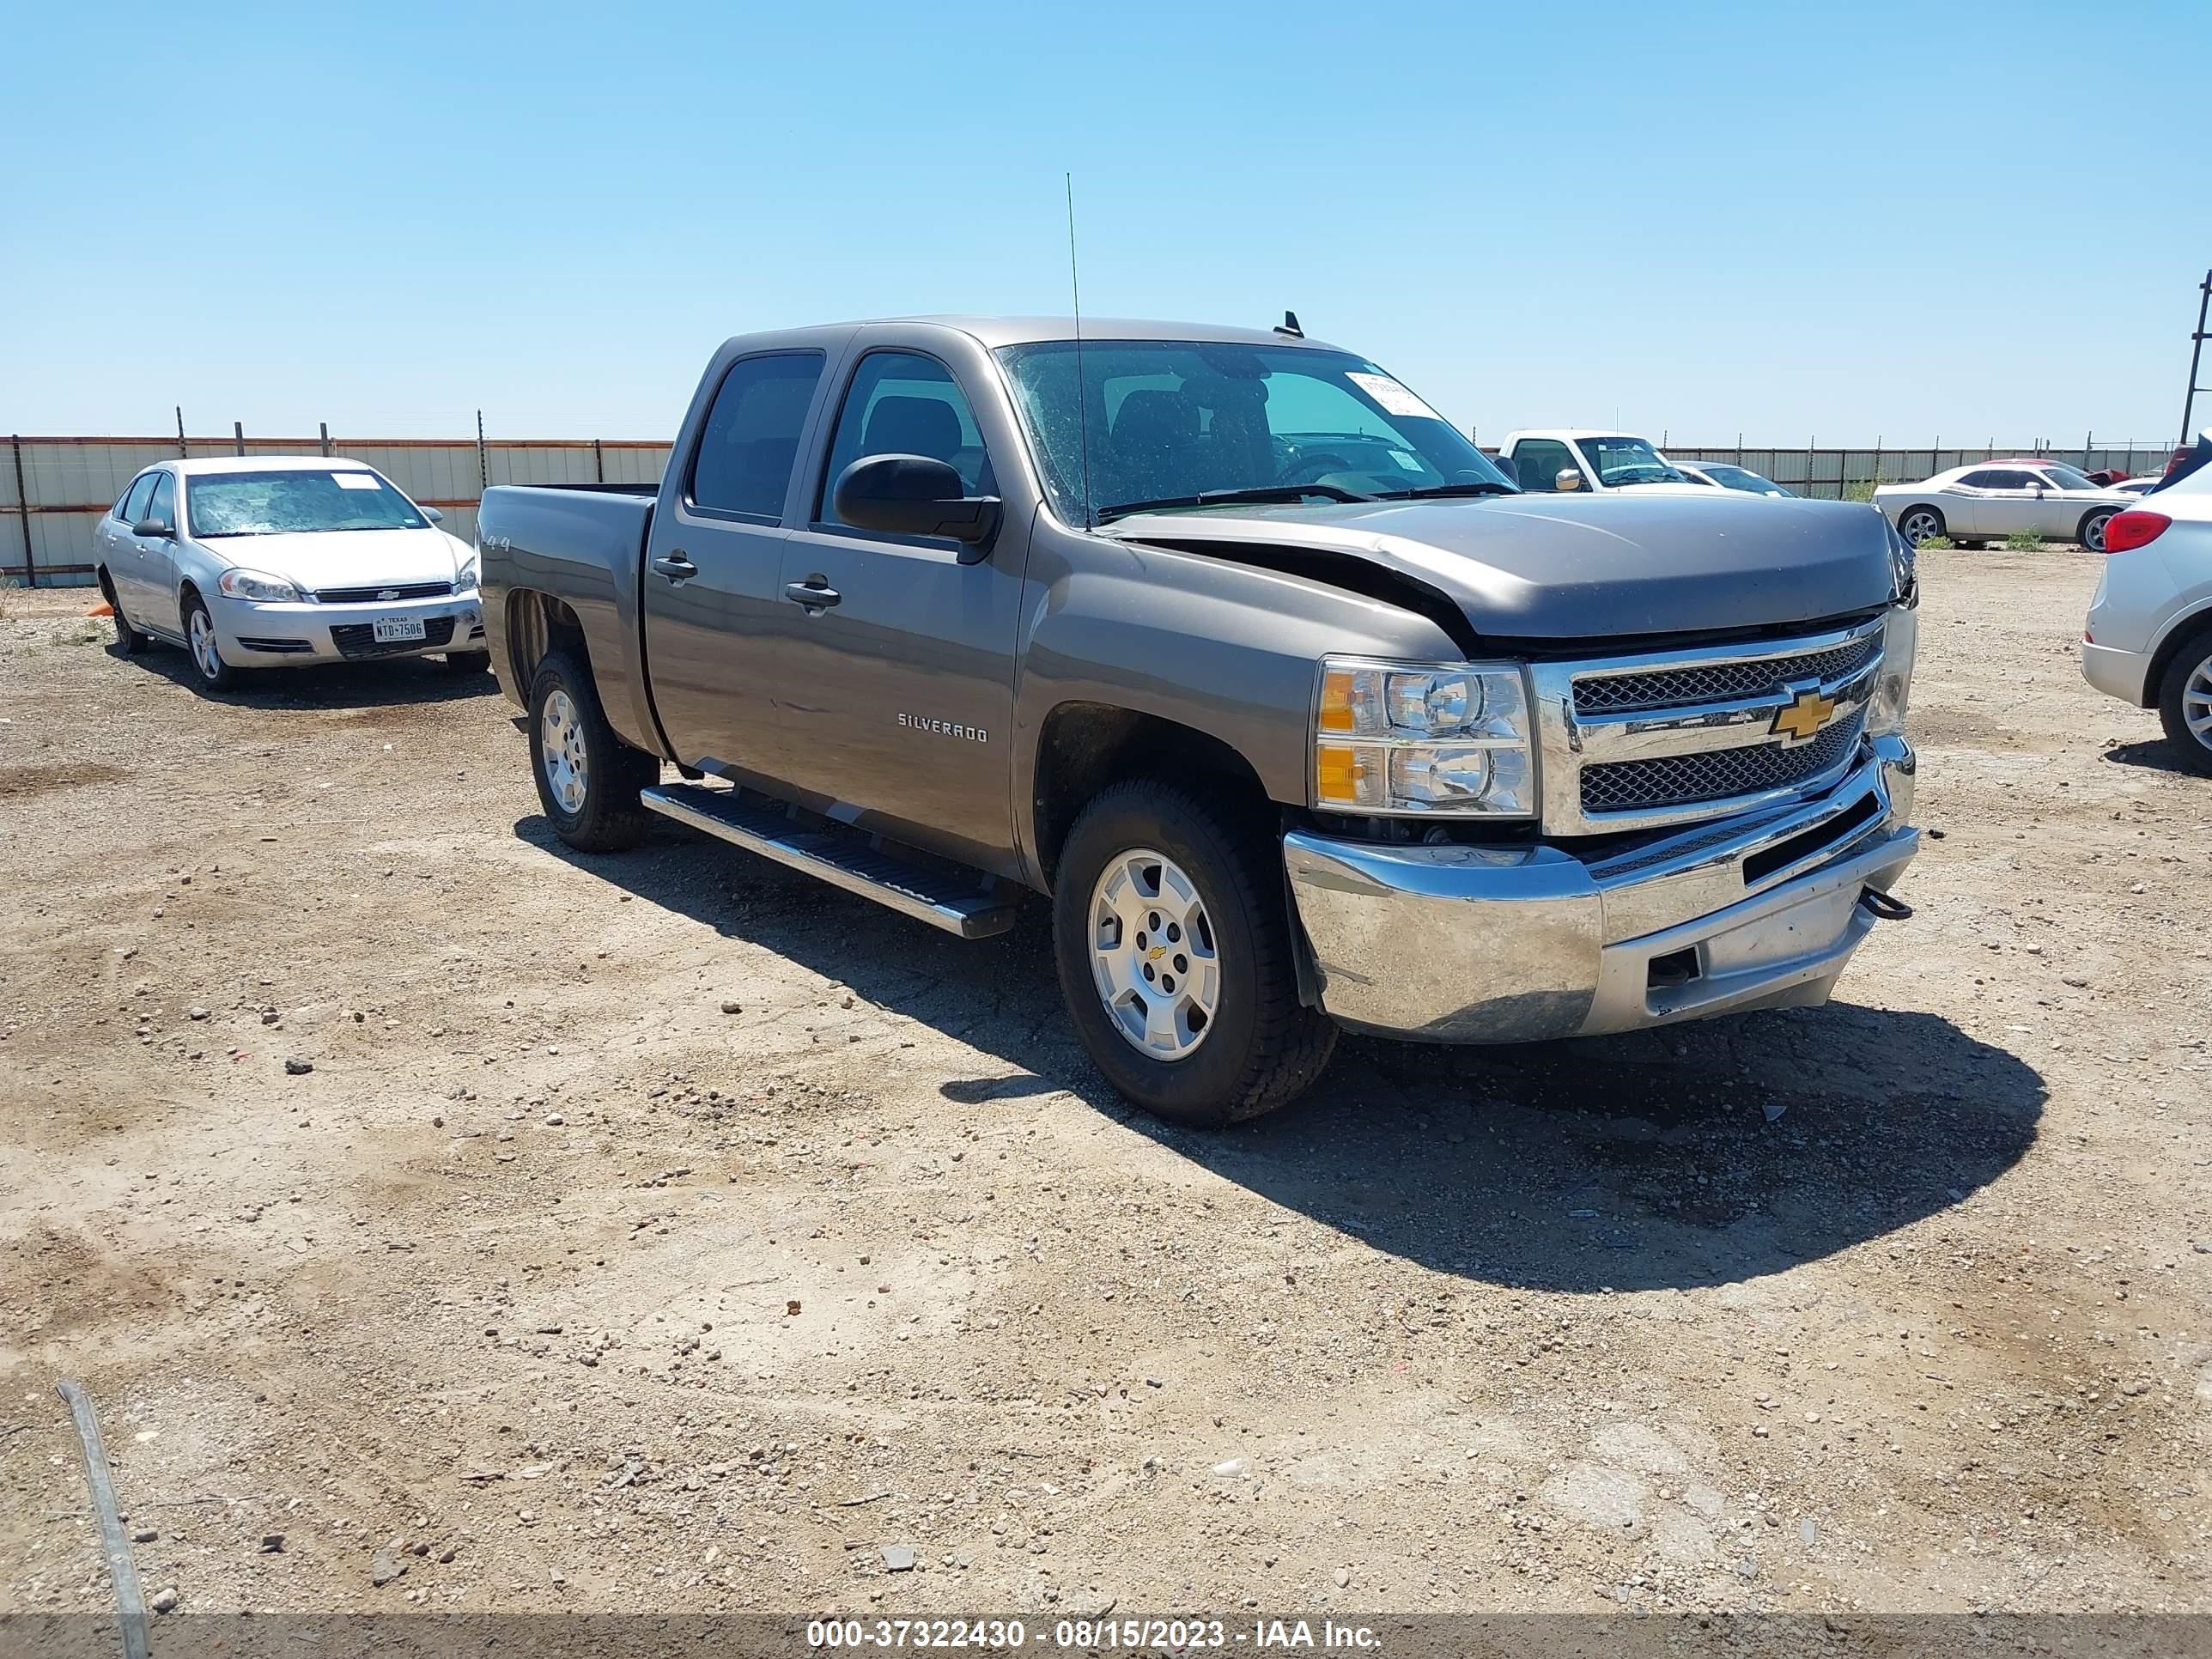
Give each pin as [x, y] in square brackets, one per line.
[271, 562]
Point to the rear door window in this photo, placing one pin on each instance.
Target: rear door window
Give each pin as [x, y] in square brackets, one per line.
[750, 440]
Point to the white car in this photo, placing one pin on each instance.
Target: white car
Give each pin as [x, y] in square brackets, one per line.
[1573, 459]
[1725, 475]
[2142, 486]
[1991, 500]
[267, 562]
[2148, 638]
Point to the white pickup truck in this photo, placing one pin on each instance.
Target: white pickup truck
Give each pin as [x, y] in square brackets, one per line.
[1600, 462]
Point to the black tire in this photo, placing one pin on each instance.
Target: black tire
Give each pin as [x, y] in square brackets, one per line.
[604, 815]
[211, 672]
[128, 640]
[2186, 690]
[467, 662]
[1921, 522]
[1262, 1047]
[2091, 531]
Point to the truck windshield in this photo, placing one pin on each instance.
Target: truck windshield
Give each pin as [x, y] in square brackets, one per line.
[279, 503]
[1168, 420]
[1628, 461]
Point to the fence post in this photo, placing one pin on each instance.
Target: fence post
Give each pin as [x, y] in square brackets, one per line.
[238, 435]
[23, 507]
[181, 453]
[325, 426]
[599, 459]
[483, 466]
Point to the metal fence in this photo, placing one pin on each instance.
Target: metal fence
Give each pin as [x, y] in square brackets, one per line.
[54, 491]
[1833, 474]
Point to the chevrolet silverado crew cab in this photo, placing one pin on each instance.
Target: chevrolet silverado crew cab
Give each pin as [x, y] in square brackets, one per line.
[1301, 715]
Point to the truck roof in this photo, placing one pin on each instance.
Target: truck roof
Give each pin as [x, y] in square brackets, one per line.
[995, 331]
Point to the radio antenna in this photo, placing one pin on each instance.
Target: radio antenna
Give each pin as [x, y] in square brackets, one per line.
[1082, 385]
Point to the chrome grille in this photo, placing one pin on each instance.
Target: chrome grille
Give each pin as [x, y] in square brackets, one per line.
[1715, 774]
[387, 591]
[1720, 682]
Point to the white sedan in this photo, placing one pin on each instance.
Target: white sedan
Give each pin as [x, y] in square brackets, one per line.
[267, 562]
[2148, 638]
[1991, 500]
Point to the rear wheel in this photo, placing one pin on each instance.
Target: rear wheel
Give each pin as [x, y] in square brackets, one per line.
[1172, 938]
[2184, 703]
[2091, 534]
[588, 778]
[128, 640]
[214, 673]
[1919, 524]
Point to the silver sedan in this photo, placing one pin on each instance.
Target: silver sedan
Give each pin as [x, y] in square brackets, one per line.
[1991, 500]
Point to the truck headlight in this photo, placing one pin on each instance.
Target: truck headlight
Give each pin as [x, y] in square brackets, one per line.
[1893, 690]
[1417, 738]
[257, 584]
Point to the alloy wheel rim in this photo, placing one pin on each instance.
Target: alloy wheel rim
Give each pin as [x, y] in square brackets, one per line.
[203, 647]
[560, 740]
[1918, 527]
[2095, 534]
[2197, 703]
[1153, 955]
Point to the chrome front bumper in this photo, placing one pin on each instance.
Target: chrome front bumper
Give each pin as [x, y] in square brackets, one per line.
[1457, 944]
[259, 634]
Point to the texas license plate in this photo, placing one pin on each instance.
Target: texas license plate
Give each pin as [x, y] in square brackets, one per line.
[389, 631]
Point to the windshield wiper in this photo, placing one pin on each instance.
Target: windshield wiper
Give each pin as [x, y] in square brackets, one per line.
[1286, 494]
[1439, 491]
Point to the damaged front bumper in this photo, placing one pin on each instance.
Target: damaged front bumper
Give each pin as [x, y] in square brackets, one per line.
[1460, 943]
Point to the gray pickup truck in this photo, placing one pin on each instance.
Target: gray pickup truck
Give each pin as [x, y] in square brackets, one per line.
[1303, 716]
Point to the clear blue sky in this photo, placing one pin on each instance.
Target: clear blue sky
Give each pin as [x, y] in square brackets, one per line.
[1793, 220]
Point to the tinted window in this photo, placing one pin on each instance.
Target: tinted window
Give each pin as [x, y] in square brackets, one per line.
[134, 501]
[750, 440]
[903, 404]
[1540, 461]
[162, 510]
[2066, 477]
[1984, 480]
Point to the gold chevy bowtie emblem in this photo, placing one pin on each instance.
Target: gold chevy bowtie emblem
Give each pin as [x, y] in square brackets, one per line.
[1797, 721]
[1156, 953]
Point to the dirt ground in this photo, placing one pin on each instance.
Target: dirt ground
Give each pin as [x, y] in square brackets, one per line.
[666, 1232]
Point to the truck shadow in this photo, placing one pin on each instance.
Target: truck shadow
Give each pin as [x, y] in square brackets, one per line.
[1704, 1155]
[387, 684]
[2158, 755]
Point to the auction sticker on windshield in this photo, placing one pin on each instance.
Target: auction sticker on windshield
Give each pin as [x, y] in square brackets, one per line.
[389, 631]
[1393, 397]
[357, 481]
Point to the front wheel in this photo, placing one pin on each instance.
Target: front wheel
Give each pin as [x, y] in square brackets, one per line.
[2092, 531]
[214, 674]
[1172, 938]
[2184, 703]
[587, 777]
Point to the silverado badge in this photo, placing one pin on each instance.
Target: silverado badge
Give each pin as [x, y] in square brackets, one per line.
[1800, 720]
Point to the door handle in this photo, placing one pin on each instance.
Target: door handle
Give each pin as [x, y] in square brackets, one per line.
[814, 594]
[677, 567]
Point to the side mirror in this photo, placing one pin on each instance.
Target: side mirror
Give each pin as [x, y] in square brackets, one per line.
[1567, 478]
[1510, 467]
[431, 513]
[155, 530]
[915, 495]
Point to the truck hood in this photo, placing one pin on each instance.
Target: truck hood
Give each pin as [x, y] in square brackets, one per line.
[1551, 567]
[343, 558]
